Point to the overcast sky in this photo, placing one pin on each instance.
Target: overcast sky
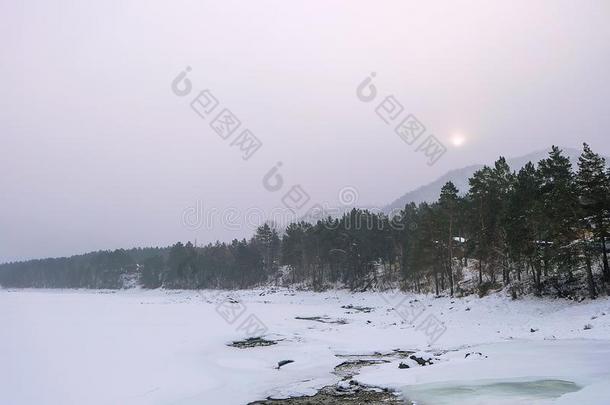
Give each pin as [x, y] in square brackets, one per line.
[97, 152]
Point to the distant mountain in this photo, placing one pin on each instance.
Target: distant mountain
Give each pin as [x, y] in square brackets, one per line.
[430, 192]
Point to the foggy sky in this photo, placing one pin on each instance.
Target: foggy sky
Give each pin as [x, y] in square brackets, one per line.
[97, 152]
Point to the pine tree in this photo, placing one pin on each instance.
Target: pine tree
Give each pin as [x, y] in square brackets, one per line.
[293, 249]
[561, 210]
[448, 206]
[593, 190]
[425, 246]
[404, 227]
[502, 183]
[265, 241]
[152, 268]
[481, 208]
[523, 223]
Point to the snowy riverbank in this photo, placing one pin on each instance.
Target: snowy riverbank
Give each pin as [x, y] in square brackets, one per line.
[170, 347]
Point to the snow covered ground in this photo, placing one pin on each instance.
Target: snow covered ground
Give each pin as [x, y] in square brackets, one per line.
[170, 347]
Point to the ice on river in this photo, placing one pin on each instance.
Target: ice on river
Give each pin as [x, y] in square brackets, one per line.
[170, 347]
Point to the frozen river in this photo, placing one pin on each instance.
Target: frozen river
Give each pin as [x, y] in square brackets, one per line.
[170, 347]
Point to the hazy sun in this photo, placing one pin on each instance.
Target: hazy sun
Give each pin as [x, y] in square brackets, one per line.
[457, 140]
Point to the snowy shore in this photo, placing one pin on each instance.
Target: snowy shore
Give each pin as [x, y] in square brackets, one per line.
[171, 347]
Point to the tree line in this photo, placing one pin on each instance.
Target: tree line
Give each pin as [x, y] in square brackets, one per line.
[104, 269]
[546, 223]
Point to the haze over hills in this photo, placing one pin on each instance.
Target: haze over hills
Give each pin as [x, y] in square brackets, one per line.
[425, 193]
[430, 192]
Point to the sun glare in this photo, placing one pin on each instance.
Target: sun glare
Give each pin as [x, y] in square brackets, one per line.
[457, 140]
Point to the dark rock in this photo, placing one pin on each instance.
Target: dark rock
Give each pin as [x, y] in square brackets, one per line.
[421, 361]
[322, 319]
[474, 353]
[252, 342]
[358, 308]
[340, 395]
[283, 363]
